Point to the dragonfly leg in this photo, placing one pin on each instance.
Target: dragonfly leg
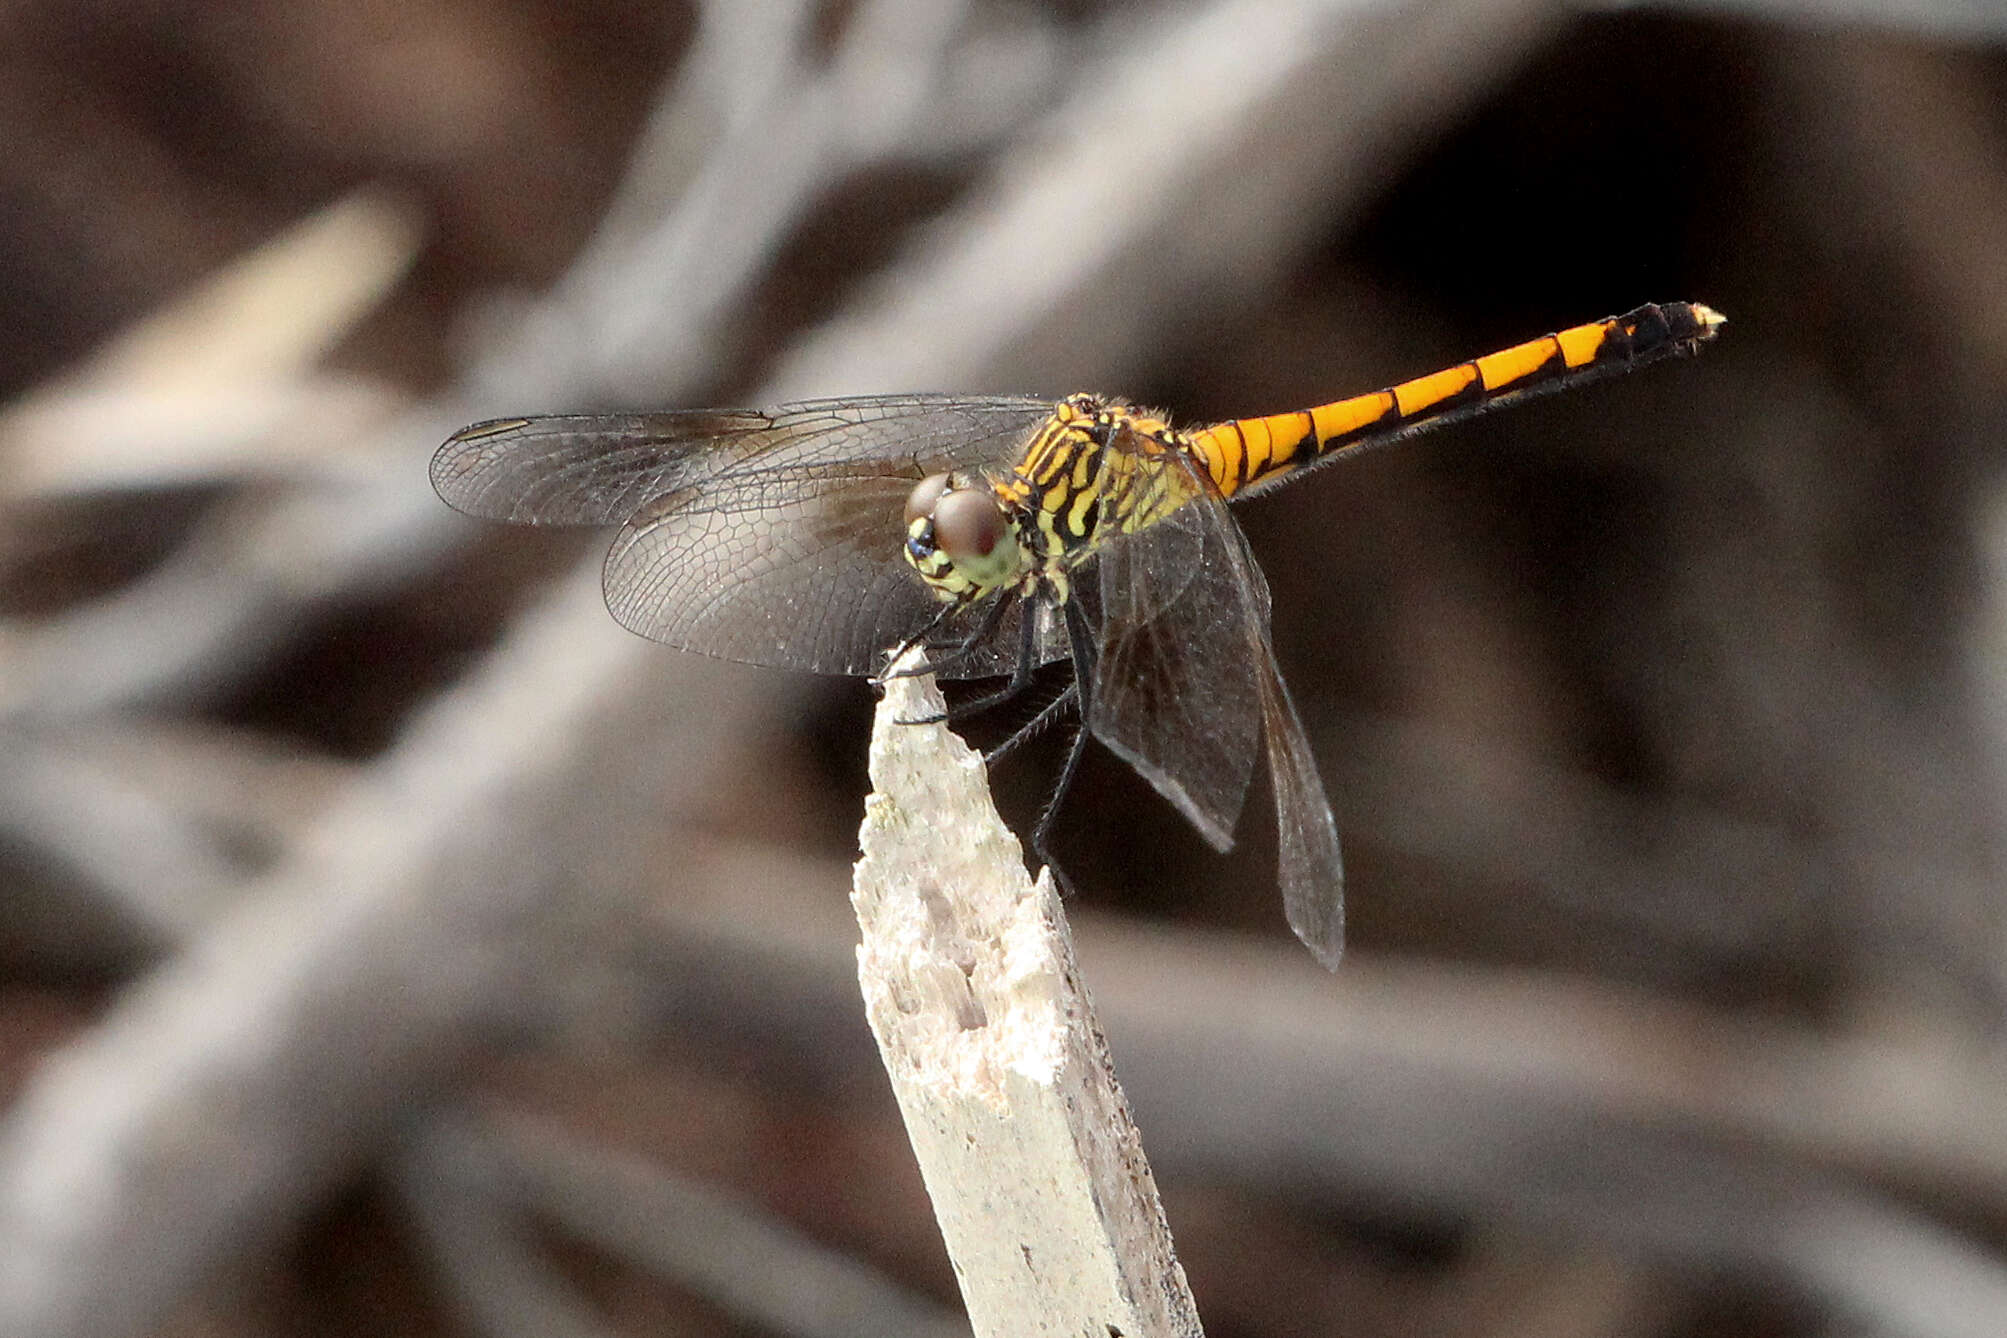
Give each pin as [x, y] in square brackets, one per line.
[1033, 727]
[1020, 675]
[1080, 643]
[920, 638]
[959, 652]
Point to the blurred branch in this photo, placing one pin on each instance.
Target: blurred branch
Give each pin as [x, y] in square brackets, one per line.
[1900, 743]
[223, 381]
[291, 1029]
[470, 1225]
[735, 1255]
[1512, 1288]
[785, 129]
[164, 823]
[1698, 884]
[1158, 184]
[122, 840]
[1936, 20]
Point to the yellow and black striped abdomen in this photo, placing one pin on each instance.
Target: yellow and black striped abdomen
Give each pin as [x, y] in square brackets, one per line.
[1249, 452]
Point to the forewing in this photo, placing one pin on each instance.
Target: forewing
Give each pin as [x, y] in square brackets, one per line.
[591, 469]
[767, 537]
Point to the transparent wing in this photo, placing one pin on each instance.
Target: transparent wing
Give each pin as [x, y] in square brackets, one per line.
[767, 537]
[1186, 679]
[1174, 693]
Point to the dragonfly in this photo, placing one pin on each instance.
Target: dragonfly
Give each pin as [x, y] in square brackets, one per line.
[999, 534]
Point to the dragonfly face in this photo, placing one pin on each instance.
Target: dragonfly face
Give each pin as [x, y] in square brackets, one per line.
[961, 540]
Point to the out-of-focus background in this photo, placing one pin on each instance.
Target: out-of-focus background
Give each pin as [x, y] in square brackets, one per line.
[391, 945]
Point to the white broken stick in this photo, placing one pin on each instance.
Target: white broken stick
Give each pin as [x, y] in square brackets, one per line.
[1025, 1141]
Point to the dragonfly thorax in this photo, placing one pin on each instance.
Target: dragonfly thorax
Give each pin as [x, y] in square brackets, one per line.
[1074, 484]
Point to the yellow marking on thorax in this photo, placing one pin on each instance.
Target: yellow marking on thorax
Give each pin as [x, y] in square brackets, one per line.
[1049, 454]
[1056, 481]
[1077, 492]
[1084, 500]
[1143, 490]
[1084, 462]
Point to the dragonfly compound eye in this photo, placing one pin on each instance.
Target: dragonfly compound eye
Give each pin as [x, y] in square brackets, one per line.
[968, 525]
[975, 537]
[958, 537]
[920, 501]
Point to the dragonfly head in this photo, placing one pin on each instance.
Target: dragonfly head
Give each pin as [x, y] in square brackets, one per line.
[959, 538]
